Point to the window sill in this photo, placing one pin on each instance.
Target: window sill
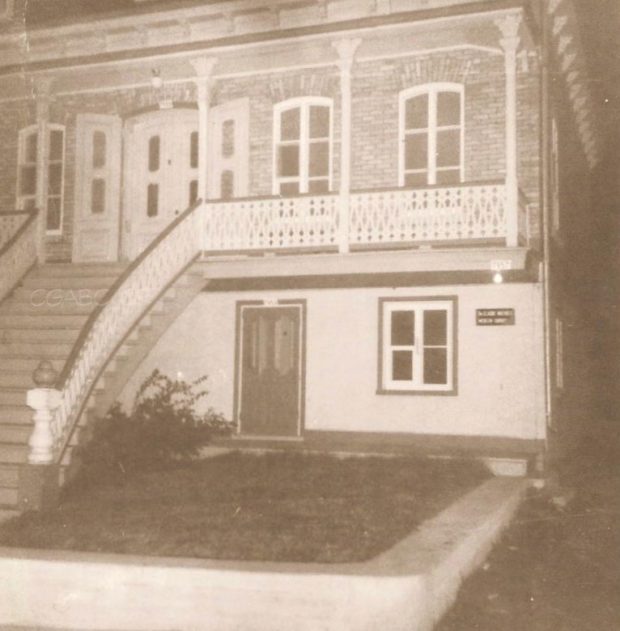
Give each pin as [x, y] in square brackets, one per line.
[441, 393]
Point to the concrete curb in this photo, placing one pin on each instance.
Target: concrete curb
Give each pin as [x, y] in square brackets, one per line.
[407, 588]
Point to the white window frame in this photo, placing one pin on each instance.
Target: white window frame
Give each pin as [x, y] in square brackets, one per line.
[22, 200]
[303, 103]
[418, 305]
[432, 90]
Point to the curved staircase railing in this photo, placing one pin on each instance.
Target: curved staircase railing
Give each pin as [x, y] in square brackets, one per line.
[121, 308]
[18, 247]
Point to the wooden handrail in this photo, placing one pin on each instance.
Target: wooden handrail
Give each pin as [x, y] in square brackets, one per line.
[33, 215]
[118, 283]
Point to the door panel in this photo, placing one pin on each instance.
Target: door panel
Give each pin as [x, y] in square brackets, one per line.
[270, 371]
[161, 174]
[228, 142]
[97, 186]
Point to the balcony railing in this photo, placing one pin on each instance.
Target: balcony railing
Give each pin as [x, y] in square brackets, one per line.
[476, 212]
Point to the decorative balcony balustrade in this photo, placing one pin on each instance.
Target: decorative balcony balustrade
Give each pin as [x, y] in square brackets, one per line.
[476, 212]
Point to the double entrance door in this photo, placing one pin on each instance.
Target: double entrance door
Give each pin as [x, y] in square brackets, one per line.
[133, 177]
[270, 375]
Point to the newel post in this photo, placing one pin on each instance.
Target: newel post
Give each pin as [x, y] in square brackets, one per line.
[346, 49]
[44, 400]
[509, 27]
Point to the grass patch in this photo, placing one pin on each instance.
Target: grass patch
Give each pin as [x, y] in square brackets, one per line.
[272, 507]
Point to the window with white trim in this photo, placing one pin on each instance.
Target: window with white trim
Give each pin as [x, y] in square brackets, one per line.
[431, 135]
[417, 345]
[28, 173]
[303, 146]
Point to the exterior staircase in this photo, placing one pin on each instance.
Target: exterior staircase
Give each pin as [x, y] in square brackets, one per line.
[41, 319]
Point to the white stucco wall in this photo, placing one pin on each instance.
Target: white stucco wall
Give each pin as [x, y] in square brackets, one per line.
[500, 368]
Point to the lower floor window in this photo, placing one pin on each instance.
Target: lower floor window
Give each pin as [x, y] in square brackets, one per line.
[417, 344]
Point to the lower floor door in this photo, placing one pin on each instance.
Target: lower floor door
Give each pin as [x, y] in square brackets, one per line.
[270, 371]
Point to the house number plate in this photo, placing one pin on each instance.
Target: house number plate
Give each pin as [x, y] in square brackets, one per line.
[495, 317]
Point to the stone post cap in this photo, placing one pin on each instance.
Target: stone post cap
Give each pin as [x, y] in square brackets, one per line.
[45, 375]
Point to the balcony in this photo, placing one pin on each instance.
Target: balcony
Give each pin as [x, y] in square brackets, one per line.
[470, 214]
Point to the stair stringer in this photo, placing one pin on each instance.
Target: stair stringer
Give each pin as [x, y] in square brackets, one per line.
[129, 356]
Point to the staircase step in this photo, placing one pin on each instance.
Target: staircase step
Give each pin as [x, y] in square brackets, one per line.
[67, 336]
[28, 364]
[8, 496]
[80, 269]
[15, 433]
[40, 321]
[33, 349]
[14, 378]
[13, 453]
[50, 285]
[10, 397]
[18, 413]
[9, 475]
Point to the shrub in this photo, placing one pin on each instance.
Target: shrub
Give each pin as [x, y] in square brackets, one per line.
[162, 428]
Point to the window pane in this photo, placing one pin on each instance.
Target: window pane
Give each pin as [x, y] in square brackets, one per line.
[53, 213]
[319, 159]
[416, 179]
[448, 148]
[227, 184]
[289, 188]
[154, 153]
[435, 366]
[416, 151]
[319, 121]
[448, 108]
[99, 147]
[28, 181]
[288, 160]
[98, 196]
[228, 139]
[450, 176]
[54, 185]
[193, 150]
[30, 154]
[289, 124]
[416, 112]
[56, 136]
[402, 365]
[402, 326]
[193, 191]
[152, 200]
[317, 187]
[435, 327]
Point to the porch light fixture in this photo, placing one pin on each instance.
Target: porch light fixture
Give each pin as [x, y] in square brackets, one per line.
[498, 279]
[156, 80]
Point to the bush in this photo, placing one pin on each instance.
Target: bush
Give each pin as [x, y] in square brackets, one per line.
[162, 428]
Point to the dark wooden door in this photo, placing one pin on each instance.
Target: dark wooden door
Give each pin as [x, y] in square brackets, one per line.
[270, 371]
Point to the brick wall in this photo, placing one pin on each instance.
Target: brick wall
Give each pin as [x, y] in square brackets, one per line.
[375, 91]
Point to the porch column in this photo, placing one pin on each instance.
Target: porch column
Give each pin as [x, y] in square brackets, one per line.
[509, 27]
[42, 92]
[204, 77]
[346, 49]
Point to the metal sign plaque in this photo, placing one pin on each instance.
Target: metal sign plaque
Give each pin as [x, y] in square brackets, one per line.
[495, 317]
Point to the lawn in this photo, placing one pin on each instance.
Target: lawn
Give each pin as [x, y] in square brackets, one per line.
[271, 507]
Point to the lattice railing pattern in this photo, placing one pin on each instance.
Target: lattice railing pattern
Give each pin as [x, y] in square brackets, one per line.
[430, 214]
[10, 223]
[272, 223]
[159, 266]
[17, 257]
[523, 219]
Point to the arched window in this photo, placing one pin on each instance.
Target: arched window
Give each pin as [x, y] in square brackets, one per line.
[28, 174]
[302, 146]
[431, 135]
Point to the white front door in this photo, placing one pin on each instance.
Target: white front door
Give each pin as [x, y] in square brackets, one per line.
[161, 174]
[97, 188]
[228, 140]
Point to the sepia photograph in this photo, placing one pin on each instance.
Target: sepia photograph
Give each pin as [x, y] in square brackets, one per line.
[309, 315]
